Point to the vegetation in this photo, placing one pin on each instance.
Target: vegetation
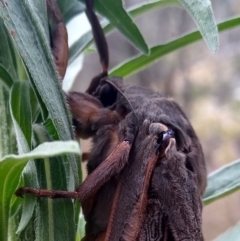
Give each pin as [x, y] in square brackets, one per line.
[36, 147]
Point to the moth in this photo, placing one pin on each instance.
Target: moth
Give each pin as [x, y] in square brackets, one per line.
[146, 169]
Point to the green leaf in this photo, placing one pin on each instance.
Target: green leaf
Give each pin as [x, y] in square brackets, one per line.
[31, 38]
[14, 219]
[141, 61]
[9, 178]
[29, 203]
[79, 46]
[5, 77]
[11, 167]
[48, 124]
[201, 12]
[7, 138]
[42, 106]
[47, 179]
[75, 9]
[116, 14]
[87, 39]
[144, 7]
[20, 110]
[55, 218]
[21, 115]
[7, 53]
[232, 234]
[50, 230]
[47, 149]
[28, 20]
[222, 182]
[70, 8]
[4, 130]
[35, 107]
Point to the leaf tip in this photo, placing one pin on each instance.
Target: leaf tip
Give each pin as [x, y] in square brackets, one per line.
[145, 49]
[214, 44]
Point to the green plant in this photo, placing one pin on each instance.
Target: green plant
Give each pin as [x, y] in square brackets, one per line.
[35, 123]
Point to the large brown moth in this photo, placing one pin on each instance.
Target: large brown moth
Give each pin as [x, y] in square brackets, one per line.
[146, 170]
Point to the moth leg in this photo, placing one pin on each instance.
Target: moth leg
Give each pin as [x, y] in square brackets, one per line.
[58, 36]
[105, 171]
[46, 193]
[112, 165]
[89, 114]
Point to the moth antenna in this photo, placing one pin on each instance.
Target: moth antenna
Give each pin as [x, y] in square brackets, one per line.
[124, 96]
[98, 35]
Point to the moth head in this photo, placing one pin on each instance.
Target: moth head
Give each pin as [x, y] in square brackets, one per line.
[170, 138]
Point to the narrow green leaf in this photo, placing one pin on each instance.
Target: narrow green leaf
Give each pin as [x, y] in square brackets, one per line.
[222, 182]
[232, 234]
[79, 46]
[46, 179]
[141, 61]
[144, 7]
[43, 108]
[48, 124]
[4, 131]
[22, 118]
[55, 218]
[21, 115]
[70, 8]
[11, 167]
[87, 39]
[73, 11]
[29, 179]
[47, 149]
[14, 218]
[5, 77]
[28, 206]
[7, 139]
[61, 228]
[35, 107]
[201, 12]
[20, 110]
[9, 178]
[7, 53]
[117, 15]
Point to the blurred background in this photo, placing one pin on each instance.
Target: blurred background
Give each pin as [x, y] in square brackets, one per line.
[207, 87]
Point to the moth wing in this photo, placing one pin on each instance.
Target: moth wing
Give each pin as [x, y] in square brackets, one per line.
[129, 205]
[174, 190]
